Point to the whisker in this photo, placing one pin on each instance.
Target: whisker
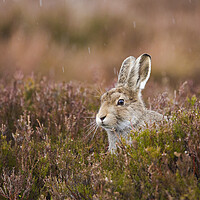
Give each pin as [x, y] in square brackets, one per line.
[90, 124]
[94, 132]
[99, 92]
[91, 127]
[89, 117]
[94, 127]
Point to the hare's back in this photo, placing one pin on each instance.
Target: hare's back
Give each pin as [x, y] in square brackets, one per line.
[152, 116]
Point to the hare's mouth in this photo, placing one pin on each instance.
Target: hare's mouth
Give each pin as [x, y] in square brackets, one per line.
[106, 126]
[105, 122]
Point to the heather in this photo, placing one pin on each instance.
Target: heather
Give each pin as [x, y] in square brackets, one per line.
[49, 151]
[56, 59]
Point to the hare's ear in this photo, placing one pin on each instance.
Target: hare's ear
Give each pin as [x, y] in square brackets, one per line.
[127, 64]
[140, 72]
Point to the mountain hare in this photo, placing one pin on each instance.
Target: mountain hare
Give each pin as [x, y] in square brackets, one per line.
[122, 107]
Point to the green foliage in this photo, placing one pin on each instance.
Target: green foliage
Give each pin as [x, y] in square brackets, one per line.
[45, 151]
[7, 153]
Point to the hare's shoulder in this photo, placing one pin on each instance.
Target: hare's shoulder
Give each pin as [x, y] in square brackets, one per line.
[153, 116]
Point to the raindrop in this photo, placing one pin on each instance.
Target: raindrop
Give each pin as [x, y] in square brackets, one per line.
[173, 20]
[89, 50]
[40, 3]
[134, 24]
[190, 1]
[63, 69]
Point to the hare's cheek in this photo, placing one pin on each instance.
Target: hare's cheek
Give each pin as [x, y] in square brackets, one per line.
[110, 120]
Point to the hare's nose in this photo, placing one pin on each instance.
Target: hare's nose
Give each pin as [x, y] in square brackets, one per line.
[102, 118]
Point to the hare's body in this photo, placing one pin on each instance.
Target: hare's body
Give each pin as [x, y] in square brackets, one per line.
[115, 135]
[122, 108]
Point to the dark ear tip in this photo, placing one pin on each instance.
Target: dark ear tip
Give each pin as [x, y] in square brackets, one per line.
[146, 55]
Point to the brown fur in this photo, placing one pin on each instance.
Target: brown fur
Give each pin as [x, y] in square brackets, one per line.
[125, 68]
[118, 119]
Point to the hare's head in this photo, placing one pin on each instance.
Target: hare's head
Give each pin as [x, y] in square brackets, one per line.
[123, 104]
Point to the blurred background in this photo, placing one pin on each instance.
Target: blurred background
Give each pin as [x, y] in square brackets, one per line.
[87, 40]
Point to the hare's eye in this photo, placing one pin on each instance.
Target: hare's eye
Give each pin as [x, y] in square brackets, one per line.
[120, 102]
